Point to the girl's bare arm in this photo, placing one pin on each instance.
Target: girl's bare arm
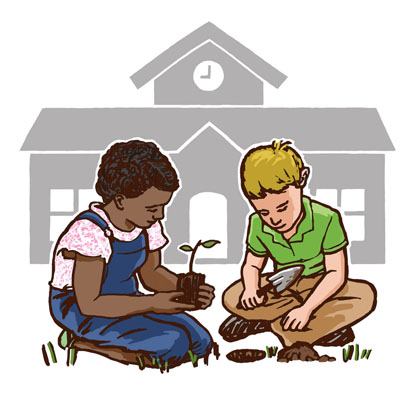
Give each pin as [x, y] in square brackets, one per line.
[156, 277]
[87, 281]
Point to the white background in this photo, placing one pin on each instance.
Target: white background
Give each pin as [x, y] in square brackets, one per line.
[82, 53]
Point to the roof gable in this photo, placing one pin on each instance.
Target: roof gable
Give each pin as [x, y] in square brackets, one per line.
[208, 32]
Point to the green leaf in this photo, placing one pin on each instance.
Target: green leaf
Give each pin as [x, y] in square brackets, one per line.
[210, 243]
[186, 247]
[63, 339]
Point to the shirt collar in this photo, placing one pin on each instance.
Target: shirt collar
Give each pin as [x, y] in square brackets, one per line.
[306, 225]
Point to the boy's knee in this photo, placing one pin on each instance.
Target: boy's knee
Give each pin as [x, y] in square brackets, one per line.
[366, 294]
[231, 295]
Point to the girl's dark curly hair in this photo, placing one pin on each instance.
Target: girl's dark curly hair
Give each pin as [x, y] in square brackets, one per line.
[130, 168]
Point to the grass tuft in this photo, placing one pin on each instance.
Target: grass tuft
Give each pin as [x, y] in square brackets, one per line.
[355, 351]
[271, 351]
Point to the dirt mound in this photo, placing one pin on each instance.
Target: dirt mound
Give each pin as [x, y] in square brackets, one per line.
[246, 355]
[301, 351]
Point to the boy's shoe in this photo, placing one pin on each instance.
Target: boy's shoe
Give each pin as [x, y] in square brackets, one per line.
[337, 338]
[236, 328]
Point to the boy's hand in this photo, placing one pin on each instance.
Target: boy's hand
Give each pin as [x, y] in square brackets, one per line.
[296, 319]
[205, 295]
[250, 299]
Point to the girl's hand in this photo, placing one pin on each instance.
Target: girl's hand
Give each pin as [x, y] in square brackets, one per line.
[205, 296]
[164, 303]
[250, 299]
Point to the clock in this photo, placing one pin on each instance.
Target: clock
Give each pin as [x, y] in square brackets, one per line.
[208, 75]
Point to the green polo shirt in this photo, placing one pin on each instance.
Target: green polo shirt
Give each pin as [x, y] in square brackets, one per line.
[320, 232]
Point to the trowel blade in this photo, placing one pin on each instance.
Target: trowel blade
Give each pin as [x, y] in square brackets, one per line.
[284, 278]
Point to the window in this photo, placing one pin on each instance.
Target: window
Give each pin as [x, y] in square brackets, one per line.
[64, 204]
[351, 203]
[206, 223]
[62, 200]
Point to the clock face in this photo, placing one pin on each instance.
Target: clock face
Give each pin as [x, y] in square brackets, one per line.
[208, 75]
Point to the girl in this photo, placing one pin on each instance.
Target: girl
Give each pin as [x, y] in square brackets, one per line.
[94, 289]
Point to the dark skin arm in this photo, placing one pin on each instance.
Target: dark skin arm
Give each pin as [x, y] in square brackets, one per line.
[87, 281]
[158, 278]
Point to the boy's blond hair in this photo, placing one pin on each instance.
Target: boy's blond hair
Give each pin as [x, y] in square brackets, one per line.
[270, 168]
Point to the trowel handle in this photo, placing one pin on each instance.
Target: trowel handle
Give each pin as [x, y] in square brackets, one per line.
[261, 292]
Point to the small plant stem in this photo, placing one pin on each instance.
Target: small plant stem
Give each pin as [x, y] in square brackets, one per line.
[191, 261]
[274, 353]
[363, 354]
[368, 354]
[268, 352]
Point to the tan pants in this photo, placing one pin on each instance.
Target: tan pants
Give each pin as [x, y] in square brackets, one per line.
[355, 301]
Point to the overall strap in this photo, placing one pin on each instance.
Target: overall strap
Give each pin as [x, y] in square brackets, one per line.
[95, 218]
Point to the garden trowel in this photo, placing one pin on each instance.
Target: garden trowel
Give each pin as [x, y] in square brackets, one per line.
[280, 281]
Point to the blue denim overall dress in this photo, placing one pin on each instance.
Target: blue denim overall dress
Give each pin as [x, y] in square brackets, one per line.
[164, 336]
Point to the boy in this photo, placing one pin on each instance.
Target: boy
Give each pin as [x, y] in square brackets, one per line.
[292, 229]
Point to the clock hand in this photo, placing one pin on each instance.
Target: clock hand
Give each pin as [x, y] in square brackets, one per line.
[209, 73]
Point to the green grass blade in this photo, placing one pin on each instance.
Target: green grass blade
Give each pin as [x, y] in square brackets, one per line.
[346, 353]
[350, 352]
[52, 353]
[153, 361]
[275, 349]
[363, 354]
[356, 356]
[73, 355]
[268, 352]
[140, 362]
[368, 354]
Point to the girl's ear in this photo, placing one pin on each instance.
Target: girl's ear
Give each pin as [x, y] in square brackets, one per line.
[305, 172]
[119, 201]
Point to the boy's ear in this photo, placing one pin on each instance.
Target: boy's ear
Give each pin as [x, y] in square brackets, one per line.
[119, 201]
[305, 172]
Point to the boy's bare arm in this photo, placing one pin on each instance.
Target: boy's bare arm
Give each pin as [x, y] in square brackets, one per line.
[334, 278]
[87, 282]
[250, 274]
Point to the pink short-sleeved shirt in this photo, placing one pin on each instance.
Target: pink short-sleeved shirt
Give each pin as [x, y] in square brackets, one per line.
[88, 239]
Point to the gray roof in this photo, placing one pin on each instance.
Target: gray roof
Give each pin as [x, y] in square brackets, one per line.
[312, 129]
[208, 32]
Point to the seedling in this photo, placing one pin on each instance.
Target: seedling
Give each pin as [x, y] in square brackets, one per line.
[190, 282]
[193, 250]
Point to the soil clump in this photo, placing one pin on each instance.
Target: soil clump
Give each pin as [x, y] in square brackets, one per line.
[246, 355]
[301, 351]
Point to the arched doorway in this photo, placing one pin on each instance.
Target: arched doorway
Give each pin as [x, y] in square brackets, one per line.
[208, 219]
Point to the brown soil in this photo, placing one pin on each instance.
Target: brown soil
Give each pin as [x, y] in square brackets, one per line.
[189, 283]
[301, 351]
[246, 355]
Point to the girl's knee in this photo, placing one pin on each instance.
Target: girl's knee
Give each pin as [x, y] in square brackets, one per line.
[174, 346]
[202, 342]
